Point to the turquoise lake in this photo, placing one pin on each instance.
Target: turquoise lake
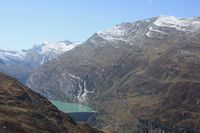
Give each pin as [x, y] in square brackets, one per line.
[71, 107]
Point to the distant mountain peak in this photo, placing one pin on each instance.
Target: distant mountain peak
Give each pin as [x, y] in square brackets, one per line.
[67, 41]
[55, 46]
[24, 61]
[38, 54]
[11, 55]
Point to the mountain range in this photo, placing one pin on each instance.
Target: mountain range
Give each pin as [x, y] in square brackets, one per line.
[21, 63]
[141, 76]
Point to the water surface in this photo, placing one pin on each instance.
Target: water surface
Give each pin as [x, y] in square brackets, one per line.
[71, 107]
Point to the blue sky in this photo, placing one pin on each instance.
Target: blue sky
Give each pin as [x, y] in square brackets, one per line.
[27, 22]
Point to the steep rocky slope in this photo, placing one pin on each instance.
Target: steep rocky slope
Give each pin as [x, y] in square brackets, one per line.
[24, 111]
[141, 76]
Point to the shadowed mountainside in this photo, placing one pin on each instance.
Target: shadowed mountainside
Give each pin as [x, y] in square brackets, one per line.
[24, 111]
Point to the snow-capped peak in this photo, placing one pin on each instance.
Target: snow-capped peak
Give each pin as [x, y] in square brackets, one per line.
[118, 32]
[38, 54]
[48, 50]
[57, 47]
[185, 25]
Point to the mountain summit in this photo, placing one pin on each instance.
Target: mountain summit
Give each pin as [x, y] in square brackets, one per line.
[46, 51]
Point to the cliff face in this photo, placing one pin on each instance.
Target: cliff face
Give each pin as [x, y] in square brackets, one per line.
[24, 111]
[141, 76]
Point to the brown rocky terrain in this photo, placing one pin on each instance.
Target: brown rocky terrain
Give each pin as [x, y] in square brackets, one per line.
[24, 111]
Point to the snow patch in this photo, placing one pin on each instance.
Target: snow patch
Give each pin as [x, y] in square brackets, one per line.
[14, 55]
[42, 60]
[82, 94]
[39, 53]
[148, 34]
[185, 25]
[152, 30]
[56, 47]
[75, 77]
[118, 32]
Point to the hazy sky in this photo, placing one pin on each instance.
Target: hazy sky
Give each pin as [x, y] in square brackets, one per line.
[27, 22]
